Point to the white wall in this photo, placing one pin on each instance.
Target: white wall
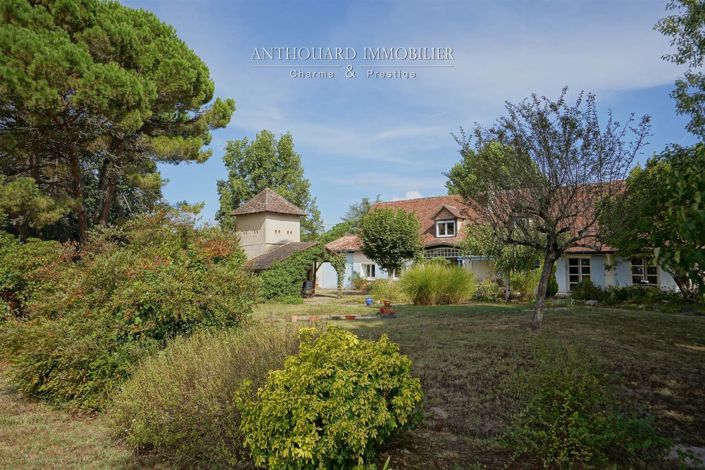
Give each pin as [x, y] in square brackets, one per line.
[263, 231]
[282, 228]
[252, 232]
[619, 274]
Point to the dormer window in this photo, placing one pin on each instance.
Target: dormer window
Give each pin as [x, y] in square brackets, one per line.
[445, 228]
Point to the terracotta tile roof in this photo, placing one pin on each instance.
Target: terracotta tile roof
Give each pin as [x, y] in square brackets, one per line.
[426, 210]
[344, 244]
[454, 211]
[264, 261]
[268, 201]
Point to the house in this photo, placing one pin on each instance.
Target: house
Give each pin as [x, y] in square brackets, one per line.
[442, 220]
[269, 229]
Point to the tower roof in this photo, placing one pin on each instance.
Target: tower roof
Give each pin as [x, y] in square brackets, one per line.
[268, 201]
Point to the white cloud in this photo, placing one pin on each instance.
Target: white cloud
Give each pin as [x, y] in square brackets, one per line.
[408, 195]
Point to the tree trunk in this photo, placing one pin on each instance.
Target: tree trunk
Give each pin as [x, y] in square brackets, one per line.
[689, 290]
[507, 287]
[78, 194]
[108, 196]
[548, 260]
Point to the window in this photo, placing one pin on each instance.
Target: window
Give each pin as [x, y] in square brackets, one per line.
[578, 270]
[369, 271]
[441, 252]
[445, 228]
[644, 272]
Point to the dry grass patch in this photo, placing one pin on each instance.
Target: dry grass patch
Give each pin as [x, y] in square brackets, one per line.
[34, 435]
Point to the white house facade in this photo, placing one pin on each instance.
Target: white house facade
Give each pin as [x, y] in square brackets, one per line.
[442, 219]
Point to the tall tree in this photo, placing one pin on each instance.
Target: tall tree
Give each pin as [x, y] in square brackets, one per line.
[662, 214]
[93, 95]
[686, 27]
[481, 239]
[26, 208]
[562, 164]
[266, 162]
[390, 237]
[357, 210]
[462, 177]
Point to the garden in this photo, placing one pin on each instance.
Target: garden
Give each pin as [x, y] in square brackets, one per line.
[478, 364]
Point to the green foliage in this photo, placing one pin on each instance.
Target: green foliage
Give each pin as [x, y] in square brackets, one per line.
[552, 288]
[266, 162]
[26, 272]
[662, 211]
[526, 283]
[390, 237]
[26, 208]
[385, 289]
[437, 284]
[569, 419]
[128, 291]
[483, 240]
[586, 290]
[332, 405]
[488, 290]
[360, 283]
[357, 211]
[686, 27]
[339, 263]
[637, 295]
[463, 176]
[285, 278]
[179, 404]
[94, 94]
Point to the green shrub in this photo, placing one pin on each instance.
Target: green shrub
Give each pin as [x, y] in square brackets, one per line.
[360, 283]
[437, 284]
[569, 420]
[488, 290]
[586, 290]
[179, 404]
[388, 290]
[552, 289]
[525, 283]
[126, 293]
[637, 294]
[285, 278]
[75, 360]
[26, 272]
[332, 405]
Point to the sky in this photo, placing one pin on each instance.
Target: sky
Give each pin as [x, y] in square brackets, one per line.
[360, 137]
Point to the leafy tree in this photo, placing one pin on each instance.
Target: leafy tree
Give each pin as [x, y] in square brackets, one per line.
[357, 211]
[561, 164]
[686, 27]
[266, 162]
[338, 230]
[26, 208]
[463, 176]
[662, 212]
[483, 241]
[390, 237]
[93, 95]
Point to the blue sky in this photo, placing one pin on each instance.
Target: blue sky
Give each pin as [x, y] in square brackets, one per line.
[363, 137]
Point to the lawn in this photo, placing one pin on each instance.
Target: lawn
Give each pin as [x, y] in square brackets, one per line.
[34, 435]
[655, 363]
[463, 355]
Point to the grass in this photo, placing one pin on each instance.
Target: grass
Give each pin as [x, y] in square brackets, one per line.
[463, 355]
[34, 435]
